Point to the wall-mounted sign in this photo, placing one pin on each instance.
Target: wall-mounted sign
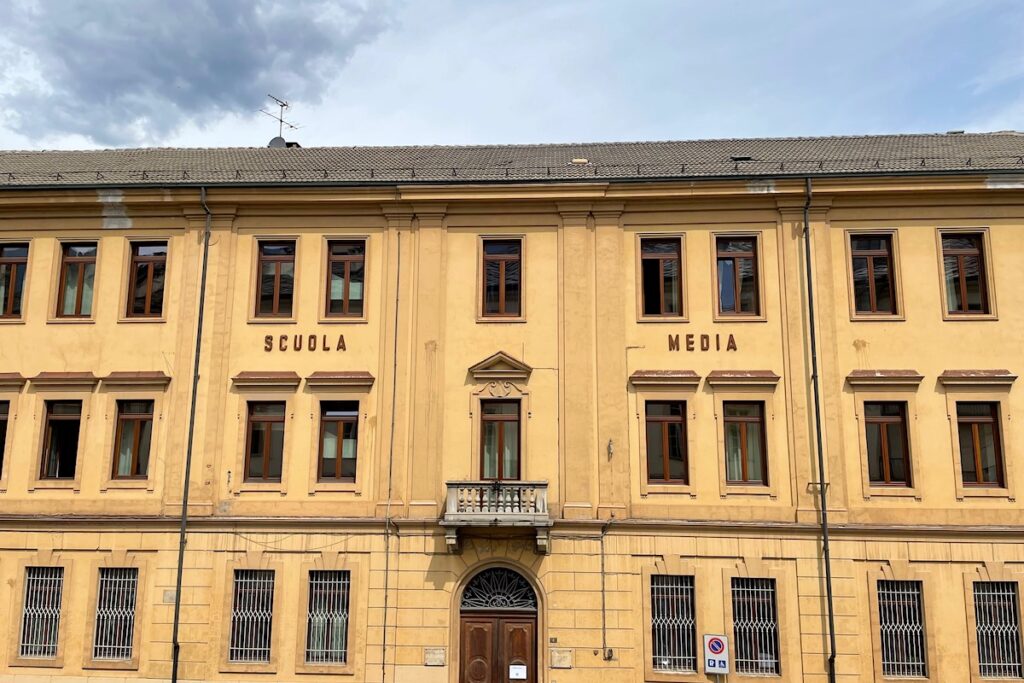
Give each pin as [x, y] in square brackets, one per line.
[516, 672]
[716, 655]
[303, 342]
[702, 342]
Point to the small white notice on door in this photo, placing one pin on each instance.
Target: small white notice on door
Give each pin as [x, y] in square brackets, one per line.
[517, 672]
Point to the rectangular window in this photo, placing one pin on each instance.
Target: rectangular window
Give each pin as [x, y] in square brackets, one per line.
[148, 271]
[744, 443]
[115, 614]
[901, 623]
[13, 265]
[5, 412]
[276, 283]
[77, 275]
[327, 617]
[673, 624]
[40, 619]
[755, 623]
[662, 276]
[346, 261]
[60, 443]
[963, 259]
[252, 615]
[874, 289]
[666, 441]
[885, 426]
[997, 615]
[131, 446]
[981, 462]
[265, 446]
[737, 276]
[499, 435]
[339, 433]
[502, 277]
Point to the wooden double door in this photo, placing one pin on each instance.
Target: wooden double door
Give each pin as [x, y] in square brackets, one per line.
[498, 648]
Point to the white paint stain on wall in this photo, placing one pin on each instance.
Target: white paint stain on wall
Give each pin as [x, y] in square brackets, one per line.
[115, 215]
[766, 186]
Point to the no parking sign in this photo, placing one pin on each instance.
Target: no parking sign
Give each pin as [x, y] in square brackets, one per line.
[716, 655]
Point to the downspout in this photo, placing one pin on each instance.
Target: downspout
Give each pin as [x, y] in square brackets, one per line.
[391, 463]
[175, 645]
[606, 654]
[822, 484]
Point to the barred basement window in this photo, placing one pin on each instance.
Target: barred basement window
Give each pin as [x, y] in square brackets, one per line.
[901, 622]
[252, 615]
[673, 626]
[40, 620]
[327, 617]
[755, 622]
[997, 616]
[115, 614]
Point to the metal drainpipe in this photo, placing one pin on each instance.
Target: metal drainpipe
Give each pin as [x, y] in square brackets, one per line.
[822, 484]
[391, 463]
[175, 645]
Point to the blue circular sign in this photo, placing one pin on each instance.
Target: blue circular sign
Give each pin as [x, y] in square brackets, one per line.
[716, 645]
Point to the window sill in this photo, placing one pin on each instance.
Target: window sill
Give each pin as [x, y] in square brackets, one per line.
[759, 491]
[101, 665]
[663, 489]
[334, 487]
[992, 492]
[141, 319]
[341, 320]
[271, 321]
[240, 668]
[877, 318]
[892, 492]
[71, 321]
[720, 318]
[256, 487]
[326, 669]
[968, 317]
[12, 321]
[663, 319]
[500, 319]
[56, 485]
[37, 663]
[127, 484]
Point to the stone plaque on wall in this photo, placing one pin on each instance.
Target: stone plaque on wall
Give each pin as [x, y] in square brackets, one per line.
[433, 656]
[561, 658]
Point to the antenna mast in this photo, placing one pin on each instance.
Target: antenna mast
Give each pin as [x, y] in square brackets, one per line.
[279, 117]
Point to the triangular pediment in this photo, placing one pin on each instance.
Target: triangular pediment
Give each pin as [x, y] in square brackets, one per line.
[500, 366]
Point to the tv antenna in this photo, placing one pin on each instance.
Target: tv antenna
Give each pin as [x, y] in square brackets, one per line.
[279, 116]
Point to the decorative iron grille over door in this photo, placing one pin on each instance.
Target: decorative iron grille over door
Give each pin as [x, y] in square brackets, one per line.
[499, 588]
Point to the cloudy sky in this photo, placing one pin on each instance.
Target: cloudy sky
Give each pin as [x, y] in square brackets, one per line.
[121, 73]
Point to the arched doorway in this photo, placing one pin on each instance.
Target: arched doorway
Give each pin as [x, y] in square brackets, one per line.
[498, 636]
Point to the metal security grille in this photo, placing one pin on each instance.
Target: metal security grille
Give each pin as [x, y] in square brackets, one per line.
[901, 622]
[673, 627]
[755, 626]
[252, 615]
[115, 614]
[327, 617]
[997, 615]
[40, 621]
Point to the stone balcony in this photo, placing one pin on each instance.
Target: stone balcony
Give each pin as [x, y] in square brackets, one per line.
[497, 504]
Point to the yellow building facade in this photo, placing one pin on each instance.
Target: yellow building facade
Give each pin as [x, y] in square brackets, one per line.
[461, 428]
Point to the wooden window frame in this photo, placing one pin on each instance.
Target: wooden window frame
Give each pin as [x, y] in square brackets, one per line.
[884, 441]
[135, 259]
[353, 420]
[755, 257]
[518, 419]
[49, 417]
[263, 422]
[348, 261]
[278, 260]
[664, 421]
[997, 439]
[679, 258]
[980, 251]
[5, 421]
[138, 418]
[65, 261]
[16, 262]
[502, 260]
[871, 255]
[743, 421]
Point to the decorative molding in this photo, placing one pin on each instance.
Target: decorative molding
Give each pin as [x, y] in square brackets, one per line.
[734, 378]
[500, 366]
[65, 379]
[985, 378]
[12, 380]
[266, 380]
[136, 378]
[326, 379]
[884, 378]
[498, 588]
[661, 378]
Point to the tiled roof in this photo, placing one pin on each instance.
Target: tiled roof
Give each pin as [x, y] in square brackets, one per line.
[694, 159]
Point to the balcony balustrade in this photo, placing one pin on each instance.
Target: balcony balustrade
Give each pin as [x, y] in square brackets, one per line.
[497, 504]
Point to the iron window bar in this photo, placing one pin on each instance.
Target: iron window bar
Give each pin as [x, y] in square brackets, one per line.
[40, 620]
[997, 616]
[755, 626]
[673, 624]
[901, 625]
[252, 615]
[327, 617]
[115, 614]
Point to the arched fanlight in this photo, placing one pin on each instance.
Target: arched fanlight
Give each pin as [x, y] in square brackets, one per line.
[499, 588]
